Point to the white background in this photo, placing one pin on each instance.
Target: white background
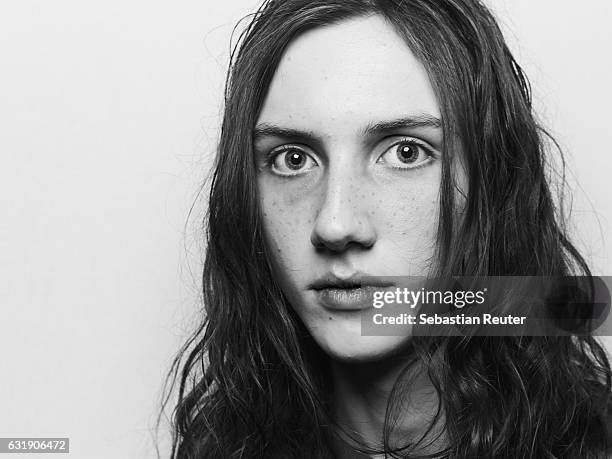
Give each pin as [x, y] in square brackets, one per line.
[108, 118]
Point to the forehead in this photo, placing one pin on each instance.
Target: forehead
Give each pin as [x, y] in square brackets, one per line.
[343, 76]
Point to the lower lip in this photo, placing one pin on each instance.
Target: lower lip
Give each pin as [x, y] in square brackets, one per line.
[347, 299]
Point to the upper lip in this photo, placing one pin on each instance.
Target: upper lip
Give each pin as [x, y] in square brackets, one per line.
[356, 280]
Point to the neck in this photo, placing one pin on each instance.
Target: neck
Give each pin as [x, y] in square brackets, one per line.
[361, 394]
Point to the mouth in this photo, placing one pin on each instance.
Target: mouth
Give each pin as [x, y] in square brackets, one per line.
[354, 293]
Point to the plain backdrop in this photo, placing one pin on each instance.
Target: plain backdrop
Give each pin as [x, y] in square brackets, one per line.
[109, 113]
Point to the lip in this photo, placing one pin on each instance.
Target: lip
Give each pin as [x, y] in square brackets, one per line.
[353, 293]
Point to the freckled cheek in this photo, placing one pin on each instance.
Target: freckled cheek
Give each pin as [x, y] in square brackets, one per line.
[288, 223]
[408, 215]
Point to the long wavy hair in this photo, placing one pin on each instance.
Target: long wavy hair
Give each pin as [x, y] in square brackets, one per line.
[251, 381]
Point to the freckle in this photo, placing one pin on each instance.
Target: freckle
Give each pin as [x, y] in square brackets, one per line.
[330, 318]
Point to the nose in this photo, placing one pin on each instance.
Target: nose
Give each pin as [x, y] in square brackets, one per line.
[343, 218]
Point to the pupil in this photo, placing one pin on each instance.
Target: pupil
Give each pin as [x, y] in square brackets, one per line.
[407, 153]
[295, 160]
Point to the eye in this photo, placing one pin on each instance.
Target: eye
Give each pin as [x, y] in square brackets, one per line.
[407, 154]
[290, 160]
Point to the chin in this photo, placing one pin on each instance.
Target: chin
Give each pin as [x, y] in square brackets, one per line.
[361, 349]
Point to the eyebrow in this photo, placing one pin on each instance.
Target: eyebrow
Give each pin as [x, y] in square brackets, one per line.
[419, 121]
[271, 130]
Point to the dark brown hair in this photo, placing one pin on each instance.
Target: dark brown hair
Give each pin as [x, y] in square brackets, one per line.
[251, 377]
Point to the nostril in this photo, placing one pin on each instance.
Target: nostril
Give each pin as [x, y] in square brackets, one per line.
[341, 220]
[337, 233]
[332, 244]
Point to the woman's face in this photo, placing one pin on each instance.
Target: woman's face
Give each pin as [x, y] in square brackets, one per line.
[348, 148]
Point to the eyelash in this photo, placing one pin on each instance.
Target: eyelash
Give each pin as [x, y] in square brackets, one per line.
[411, 141]
[271, 156]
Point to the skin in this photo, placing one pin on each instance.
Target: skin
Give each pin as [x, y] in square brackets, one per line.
[349, 202]
[353, 206]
